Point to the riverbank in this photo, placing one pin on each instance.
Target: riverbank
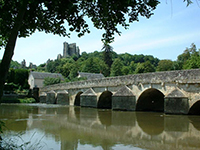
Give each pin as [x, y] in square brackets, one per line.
[18, 99]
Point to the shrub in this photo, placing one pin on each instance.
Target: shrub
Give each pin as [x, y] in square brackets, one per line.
[17, 100]
[50, 81]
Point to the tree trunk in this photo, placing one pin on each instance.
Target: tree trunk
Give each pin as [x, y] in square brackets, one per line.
[10, 46]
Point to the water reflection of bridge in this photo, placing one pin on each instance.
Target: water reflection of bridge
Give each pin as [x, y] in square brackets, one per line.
[106, 128]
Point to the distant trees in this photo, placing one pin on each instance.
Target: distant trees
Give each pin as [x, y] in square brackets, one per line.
[145, 67]
[91, 65]
[18, 77]
[116, 68]
[14, 64]
[122, 64]
[165, 65]
[107, 54]
[190, 58]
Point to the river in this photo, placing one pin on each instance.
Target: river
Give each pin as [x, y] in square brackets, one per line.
[56, 127]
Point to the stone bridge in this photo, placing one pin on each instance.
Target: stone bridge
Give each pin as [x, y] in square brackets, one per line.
[175, 92]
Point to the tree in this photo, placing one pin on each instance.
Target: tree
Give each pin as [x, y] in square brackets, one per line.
[50, 81]
[21, 77]
[18, 77]
[73, 71]
[165, 65]
[52, 66]
[132, 66]
[194, 60]
[95, 65]
[41, 67]
[11, 76]
[107, 54]
[22, 18]
[127, 58]
[14, 64]
[116, 68]
[145, 67]
[125, 70]
[183, 58]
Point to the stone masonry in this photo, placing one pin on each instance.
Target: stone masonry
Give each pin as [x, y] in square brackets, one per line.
[178, 90]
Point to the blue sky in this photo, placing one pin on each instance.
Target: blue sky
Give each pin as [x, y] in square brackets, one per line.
[171, 29]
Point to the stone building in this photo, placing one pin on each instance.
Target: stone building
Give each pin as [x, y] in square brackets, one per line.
[36, 79]
[23, 64]
[59, 56]
[32, 66]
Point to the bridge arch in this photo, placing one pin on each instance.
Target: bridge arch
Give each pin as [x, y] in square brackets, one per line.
[77, 99]
[151, 100]
[195, 108]
[105, 100]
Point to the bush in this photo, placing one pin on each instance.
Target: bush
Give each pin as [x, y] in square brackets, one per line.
[10, 99]
[10, 87]
[50, 81]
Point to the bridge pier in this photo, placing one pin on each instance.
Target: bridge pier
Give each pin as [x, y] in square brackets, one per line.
[124, 99]
[88, 98]
[43, 97]
[63, 98]
[51, 97]
[176, 103]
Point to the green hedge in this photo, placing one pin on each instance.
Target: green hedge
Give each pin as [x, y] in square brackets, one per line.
[17, 100]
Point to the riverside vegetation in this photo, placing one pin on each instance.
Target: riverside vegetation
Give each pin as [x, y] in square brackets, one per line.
[106, 62]
[25, 17]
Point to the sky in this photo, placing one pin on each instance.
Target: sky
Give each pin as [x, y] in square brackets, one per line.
[171, 29]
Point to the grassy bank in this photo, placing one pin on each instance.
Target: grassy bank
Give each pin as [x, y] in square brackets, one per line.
[9, 99]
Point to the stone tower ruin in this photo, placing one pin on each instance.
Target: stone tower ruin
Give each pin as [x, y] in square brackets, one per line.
[70, 50]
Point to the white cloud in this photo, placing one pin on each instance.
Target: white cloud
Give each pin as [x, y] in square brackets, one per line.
[140, 45]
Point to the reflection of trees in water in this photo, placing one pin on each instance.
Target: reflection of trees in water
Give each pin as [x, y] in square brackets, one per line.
[17, 111]
[16, 116]
[72, 126]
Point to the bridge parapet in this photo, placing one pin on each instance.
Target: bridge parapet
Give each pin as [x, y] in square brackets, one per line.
[179, 77]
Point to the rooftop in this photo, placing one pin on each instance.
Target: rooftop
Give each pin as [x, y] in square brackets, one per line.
[42, 75]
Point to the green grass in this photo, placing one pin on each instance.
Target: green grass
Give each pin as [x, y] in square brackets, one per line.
[17, 100]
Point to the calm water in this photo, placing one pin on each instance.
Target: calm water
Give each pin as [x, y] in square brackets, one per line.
[73, 128]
